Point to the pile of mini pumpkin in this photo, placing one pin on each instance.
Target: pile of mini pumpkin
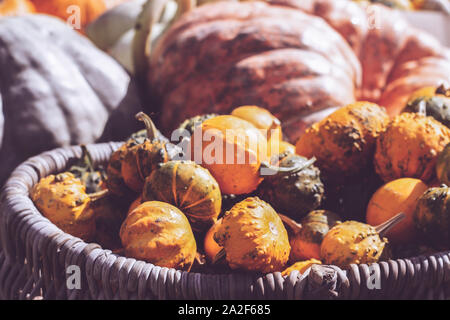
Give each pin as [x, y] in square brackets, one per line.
[185, 203]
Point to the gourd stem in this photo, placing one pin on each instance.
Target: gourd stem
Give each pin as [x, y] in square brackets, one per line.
[98, 195]
[219, 256]
[294, 225]
[149, 125]
[288, 170]
[385, 226]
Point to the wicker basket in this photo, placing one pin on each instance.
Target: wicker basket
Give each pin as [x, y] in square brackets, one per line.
[34, 255]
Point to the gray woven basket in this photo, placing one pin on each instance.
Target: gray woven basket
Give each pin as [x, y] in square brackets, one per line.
[34, 255]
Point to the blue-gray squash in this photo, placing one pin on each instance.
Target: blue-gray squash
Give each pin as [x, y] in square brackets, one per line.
[57, 89]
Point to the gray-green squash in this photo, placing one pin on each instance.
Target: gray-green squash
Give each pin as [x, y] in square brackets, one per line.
[57, 89]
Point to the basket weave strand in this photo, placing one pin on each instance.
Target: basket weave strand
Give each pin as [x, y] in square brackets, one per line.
[35, 254]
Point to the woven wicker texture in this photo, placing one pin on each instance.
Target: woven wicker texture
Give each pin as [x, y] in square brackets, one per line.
[34, 255]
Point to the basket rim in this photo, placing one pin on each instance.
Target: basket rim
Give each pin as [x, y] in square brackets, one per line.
[14, 190]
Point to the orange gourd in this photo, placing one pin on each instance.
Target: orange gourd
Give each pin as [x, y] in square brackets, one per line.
[232, 149]
[15, 7]
[344, 142]
[62, 199]
[159, 233]
[352, 242]
[141, 159]
[396, 196]
[409, 147]
[253, 237]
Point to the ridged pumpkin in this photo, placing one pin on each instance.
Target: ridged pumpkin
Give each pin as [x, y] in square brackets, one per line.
[344, 142]
[396, 196]
[159, 233]
[306, 242]
[431, 101]
[15, 7]
[189, 187]
[253, 237]
[62, 199]
[409, 147]
[232, 149]
[432, 217]
[280, 56]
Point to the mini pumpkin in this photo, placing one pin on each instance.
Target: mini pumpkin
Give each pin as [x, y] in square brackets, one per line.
[141, 159]
[115, 181]
[409, 147]
[15, 7]
[189, 187]
[399, 195]
[432, 217]
[62, 199]
[294, 188]
[431, 101]
[159, 233]
[253, 237]
[306, 241]
[354, 242]
[232, 149]
[344, 142]
[300, 266]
